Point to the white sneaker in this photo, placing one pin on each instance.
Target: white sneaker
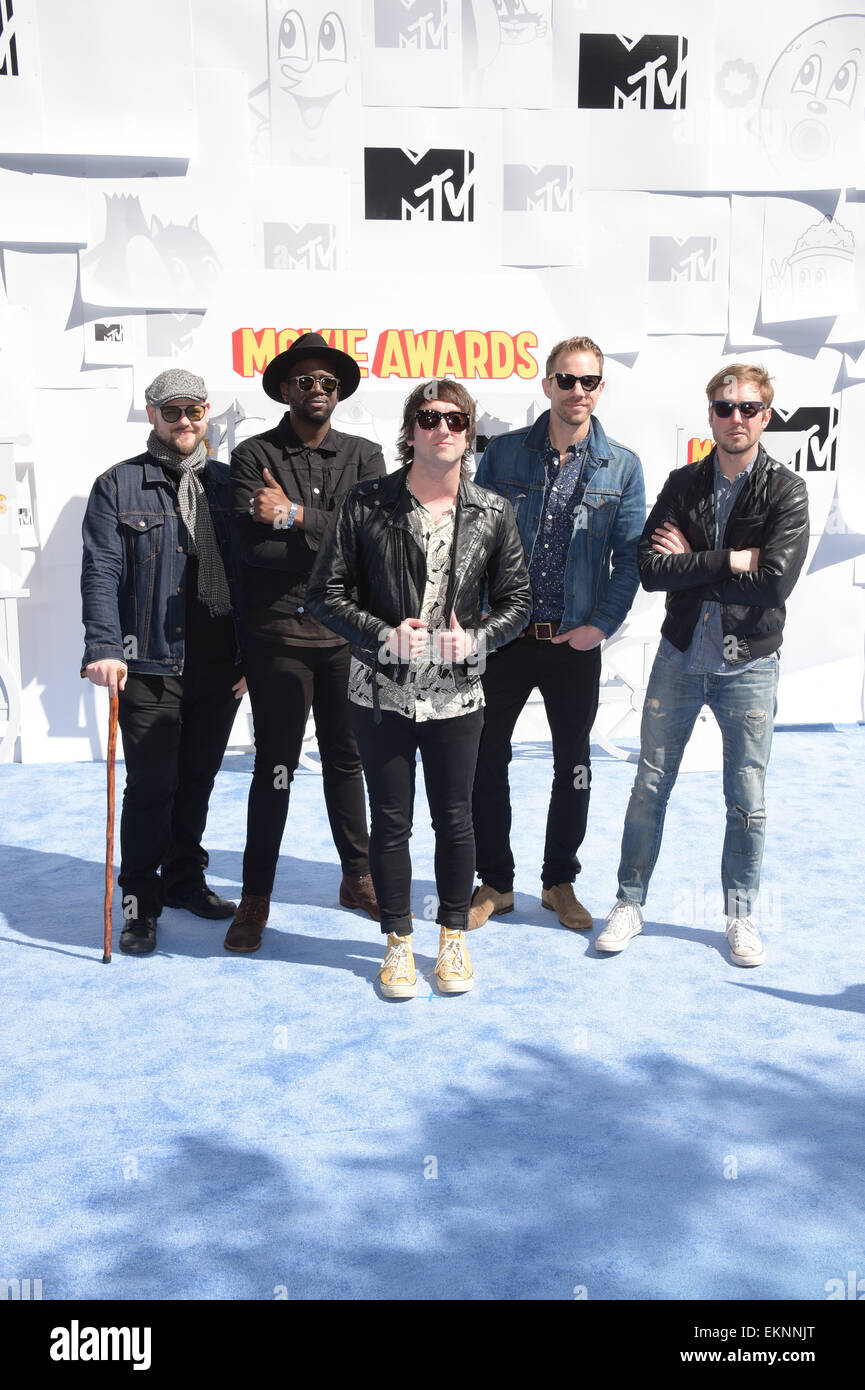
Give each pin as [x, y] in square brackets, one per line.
[625, 921]
[743, 938]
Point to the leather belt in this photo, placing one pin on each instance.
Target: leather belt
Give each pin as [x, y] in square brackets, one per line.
[542, 632]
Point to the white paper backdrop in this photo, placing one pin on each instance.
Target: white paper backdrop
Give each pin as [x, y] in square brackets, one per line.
[444, 188]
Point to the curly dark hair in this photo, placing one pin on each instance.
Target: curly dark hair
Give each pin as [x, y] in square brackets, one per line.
[434, 390]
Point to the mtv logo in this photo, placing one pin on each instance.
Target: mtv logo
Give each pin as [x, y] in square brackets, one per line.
[686, 258]
[308, 247]
[420, 24]
[108, 332]
[805, 438]
[8, 41]
[544, 188]
[406, 186]
[171, 335]
[649, 72]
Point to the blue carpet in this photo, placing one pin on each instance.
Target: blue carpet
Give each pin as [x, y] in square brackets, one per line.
[658, 1124]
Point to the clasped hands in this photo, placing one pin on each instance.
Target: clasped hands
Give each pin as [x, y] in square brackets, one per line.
[412, 639]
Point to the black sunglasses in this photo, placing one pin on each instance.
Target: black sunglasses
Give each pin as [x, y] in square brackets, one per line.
[747, 409]
[456, 420]
[307, 381]
[172, 413]
[567, 381]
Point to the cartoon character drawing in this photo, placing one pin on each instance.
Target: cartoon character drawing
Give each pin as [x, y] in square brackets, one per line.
[518, 23]
[820, 271]
[308, 74]
[813, 103]
[144, 263]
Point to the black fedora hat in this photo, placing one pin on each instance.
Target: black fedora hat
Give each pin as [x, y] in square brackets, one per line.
[311, 345]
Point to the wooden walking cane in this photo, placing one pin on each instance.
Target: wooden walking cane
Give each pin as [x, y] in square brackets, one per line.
[109, 827]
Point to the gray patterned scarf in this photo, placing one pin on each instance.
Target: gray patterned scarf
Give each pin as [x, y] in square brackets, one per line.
[186, 469]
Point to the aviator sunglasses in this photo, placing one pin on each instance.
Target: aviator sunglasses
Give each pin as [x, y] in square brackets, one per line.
[747, 409]
[307, 381]
[567, 381]
[172, 413]
[456, 420]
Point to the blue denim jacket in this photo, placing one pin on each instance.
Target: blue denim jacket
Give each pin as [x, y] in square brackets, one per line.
[601, 575]
[133, 577]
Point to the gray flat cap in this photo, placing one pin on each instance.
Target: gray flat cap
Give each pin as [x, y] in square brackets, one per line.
[174, 383]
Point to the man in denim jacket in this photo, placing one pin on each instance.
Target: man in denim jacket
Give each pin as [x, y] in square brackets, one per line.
[157, 583]
[580, 506]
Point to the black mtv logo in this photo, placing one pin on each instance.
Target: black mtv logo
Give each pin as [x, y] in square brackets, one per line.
[108, 332]
[691, 258]
[411, 24]
[8, 41]
[648, 72]
[528, 188]
[309, 247]
[404, 186]
[817, 429]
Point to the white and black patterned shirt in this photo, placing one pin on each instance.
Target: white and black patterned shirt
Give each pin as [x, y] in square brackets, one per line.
[430, 691]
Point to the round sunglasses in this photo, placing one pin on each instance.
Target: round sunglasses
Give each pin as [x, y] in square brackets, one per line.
[308, 380]
[172, 413]
[456, 420]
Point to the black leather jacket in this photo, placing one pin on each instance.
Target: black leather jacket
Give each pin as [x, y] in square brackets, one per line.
[371, 571]
[771, 512]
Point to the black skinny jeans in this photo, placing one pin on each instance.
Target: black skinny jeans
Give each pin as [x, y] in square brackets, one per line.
[174, 735]
[284, 683]
[448, 749]
[568, 681]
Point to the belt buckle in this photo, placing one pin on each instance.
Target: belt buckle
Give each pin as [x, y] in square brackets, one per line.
[544, 636]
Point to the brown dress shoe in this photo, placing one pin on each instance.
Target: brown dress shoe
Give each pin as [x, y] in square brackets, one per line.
[562, 900]
[488, 902]
[356, 890]
[249, 922]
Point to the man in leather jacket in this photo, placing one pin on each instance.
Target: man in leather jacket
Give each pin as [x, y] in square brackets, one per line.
[160, 615]
[580, 506]
[402, 576]
[726, 540]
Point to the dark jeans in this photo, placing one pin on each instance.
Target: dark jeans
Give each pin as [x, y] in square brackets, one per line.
[284, 684]
[175, 730]
[448, 749]
[568, 681]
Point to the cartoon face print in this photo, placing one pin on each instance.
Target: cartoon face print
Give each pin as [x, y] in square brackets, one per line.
[520, 23]
[308, 60]
[814, 98]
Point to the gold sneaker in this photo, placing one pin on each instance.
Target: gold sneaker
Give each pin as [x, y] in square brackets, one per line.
[453, 972]
[397, 976]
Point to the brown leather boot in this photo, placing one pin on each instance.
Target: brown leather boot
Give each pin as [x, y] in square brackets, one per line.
[248, 923]
[356, 890]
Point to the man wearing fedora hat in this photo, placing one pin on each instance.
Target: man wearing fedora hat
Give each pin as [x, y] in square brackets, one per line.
[158, 586]
[285, 487]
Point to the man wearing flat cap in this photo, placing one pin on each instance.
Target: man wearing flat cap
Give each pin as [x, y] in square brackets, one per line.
[158, 585]
[285, 487]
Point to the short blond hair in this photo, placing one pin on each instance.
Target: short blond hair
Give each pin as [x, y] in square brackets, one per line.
[574, 345]
[743, 371]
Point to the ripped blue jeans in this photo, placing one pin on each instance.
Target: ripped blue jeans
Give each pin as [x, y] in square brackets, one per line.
[744, 706]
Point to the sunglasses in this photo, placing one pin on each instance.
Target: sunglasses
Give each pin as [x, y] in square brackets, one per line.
[567, 381]
[456, 420]
[747, 409]
[309, 380]
[172, 413]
